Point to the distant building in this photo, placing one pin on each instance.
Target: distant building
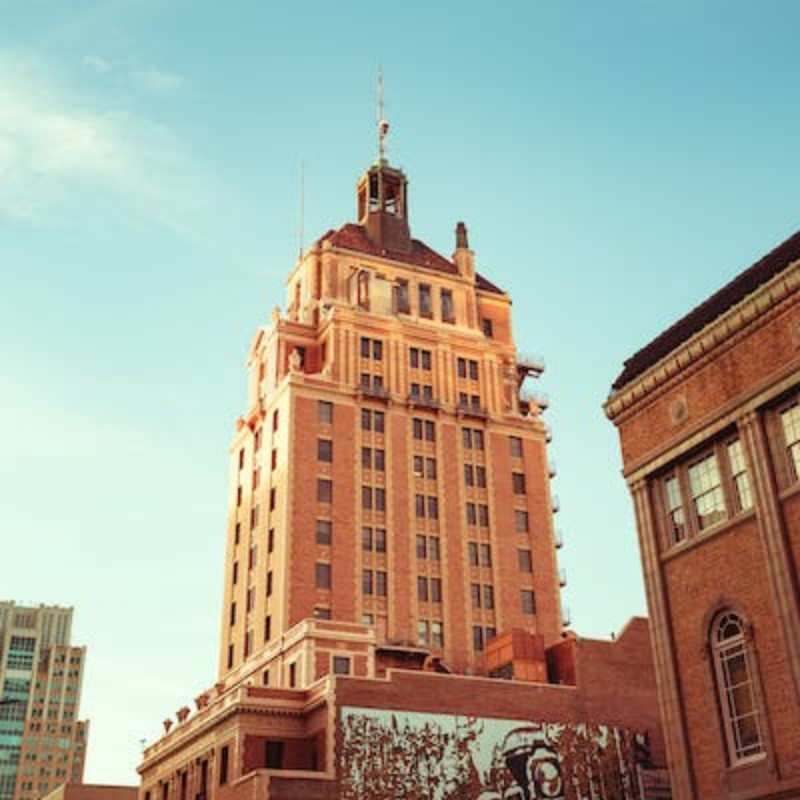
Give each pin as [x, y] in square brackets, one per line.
[43, 742]
[392, 617]
[92, 791]
[709, 423]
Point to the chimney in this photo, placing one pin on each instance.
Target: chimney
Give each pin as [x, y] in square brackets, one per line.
[463, 257]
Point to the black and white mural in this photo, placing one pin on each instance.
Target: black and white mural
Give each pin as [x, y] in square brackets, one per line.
[387, 755]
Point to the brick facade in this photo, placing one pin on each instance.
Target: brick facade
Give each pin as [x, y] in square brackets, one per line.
[708, 463]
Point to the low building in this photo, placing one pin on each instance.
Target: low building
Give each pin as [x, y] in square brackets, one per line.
[708, 416]
[92, 791]
[589, 727]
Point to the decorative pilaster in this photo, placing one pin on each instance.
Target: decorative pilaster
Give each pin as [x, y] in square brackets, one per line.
[672, 720]
[772, 530]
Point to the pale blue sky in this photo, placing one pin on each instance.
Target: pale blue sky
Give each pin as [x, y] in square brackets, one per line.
[615, 163]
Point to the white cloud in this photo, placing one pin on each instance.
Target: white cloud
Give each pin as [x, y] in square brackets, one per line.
[98, 64]
[156, 80]
[54, 138]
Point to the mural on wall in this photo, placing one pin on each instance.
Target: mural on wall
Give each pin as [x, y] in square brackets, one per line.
[390, 754]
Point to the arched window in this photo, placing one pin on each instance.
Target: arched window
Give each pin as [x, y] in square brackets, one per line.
[733, 665]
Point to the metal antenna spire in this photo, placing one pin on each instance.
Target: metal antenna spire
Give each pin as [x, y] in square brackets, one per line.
[383, 125]
[301, 232]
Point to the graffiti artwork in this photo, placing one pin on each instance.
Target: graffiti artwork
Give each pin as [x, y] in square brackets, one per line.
[393, 754]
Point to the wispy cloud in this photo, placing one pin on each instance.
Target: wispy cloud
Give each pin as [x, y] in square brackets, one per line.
[53, 137]
[98, 64]
[151, 79]
[156, 80]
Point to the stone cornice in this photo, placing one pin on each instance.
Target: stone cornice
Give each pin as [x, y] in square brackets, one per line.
[697, 350]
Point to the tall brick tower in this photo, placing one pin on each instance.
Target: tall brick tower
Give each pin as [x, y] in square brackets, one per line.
[388, 469]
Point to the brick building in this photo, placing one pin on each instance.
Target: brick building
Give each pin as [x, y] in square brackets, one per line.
[709, 425]
[42, 741]
[391, 556]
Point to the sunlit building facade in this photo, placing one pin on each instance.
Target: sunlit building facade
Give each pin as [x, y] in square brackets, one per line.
[42, 741]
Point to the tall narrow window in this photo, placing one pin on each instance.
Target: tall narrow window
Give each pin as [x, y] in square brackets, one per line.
[515, 444]
[734, 672]
[790, 419]
[448, 310]
[741, 480]
[675, 517]
[325, 412]
[425, 309]
[322, 575]
[706, 488]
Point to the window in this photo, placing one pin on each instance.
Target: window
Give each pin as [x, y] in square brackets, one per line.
[418, 466]
[472, 551]
[371, 348]
[273, 460]
[251, 557]
[422, 631]
[380, 540]
[422, 590]
[322, 575]
[475, 594]
[469, 475]
[271, 540]
[735, 685]
[430, 469]
[267, 628]
[366, 498]
[324, 490]
[224, 755]
[272, 499]
[325, 411]
[525, 560]
[487, 327]
[322, 612]
[422, 546]
[488, 597]
[256, 477]
[232, 616]
[433, 508]
[518, 482]
[741, 480]
[437, 634]
[448, 310]
[237, 533]
[253, 517]
[230, 656]
[477, 438]
[477, 638]
[413, 357]
[419, 505]
[275, 420]
[269, 584]
[324, 531]
[706, 489]
[466, 438]
[257, 440]
[425, 358]
[436, 590]
[341, 665]
[372, 420]
[483, 515]
[430, 431]
[674, 504]
[380, 460]
[235, 576]
[367, 582]
[292, 675]
[527, 601]
[433, 548]
[472, 517]
[425, 309]
[515, 444]
[419, 359]
[473, 370]
[380, 583]
[480, 477]
[241, 458]
[486, 555]
[324, 450]
[367, 619]
[238, 495]
[790, 421]
[380, 499]
[400, 297]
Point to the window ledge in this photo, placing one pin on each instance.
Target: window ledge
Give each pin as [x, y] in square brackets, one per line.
[709, 533]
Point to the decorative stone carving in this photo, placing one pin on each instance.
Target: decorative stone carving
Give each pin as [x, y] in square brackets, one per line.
[167, 725]
[183, 713]
[295, 361]
[678, 410]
